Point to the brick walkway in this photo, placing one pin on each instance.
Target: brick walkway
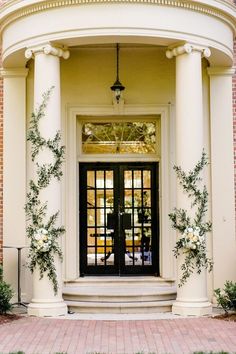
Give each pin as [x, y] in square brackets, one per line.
[44, 335]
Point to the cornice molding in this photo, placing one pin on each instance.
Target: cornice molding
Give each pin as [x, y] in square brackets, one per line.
[187, 48]
[48, 5]
[221, 71]
[13, 72]
[47, 49]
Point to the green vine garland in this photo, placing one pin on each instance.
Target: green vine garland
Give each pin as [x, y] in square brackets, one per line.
[42, 230]
[192, 231]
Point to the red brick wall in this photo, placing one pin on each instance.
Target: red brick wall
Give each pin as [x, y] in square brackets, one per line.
[1, 164]
[234, 119]
[1, 158]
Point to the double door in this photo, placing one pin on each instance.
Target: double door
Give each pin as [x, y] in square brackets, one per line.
[119, 218]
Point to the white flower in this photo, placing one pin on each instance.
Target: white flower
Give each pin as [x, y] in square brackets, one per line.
[37, 236]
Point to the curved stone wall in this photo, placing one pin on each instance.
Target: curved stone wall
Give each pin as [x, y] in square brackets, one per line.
[158, 22]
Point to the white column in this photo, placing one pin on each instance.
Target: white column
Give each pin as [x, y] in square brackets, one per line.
[222, 170]
[47, 75]
[14, 170]
[192, 296]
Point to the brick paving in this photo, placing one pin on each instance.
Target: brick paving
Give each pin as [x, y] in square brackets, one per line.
[185, 335]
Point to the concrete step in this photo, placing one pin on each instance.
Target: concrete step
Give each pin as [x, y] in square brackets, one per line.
[124, 307]
[119, 295]
[115, 280]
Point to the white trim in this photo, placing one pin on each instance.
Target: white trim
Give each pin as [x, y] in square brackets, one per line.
[13, 72]
[222, 11]
[71, 180]
[225, 71]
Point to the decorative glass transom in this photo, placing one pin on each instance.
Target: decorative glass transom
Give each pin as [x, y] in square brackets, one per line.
[119, 138]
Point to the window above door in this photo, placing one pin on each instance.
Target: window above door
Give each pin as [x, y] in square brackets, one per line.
[113, 136]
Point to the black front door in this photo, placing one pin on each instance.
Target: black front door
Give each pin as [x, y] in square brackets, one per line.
[119, 218]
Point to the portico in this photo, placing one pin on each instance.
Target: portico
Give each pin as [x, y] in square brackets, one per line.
[178, 76]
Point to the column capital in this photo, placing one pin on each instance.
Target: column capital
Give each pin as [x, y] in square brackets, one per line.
[221, 71]
[187, 48]
[13, 72]
[47, 49]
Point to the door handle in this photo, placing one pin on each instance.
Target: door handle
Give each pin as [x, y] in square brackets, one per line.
[111, 221]
[126, 221]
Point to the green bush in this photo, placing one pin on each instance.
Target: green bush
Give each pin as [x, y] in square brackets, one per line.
[6, 293]
[227, 298]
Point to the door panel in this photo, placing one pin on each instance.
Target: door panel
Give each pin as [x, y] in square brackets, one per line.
[119, 218]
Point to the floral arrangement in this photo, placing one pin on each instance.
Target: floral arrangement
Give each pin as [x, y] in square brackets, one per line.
[192, 231]
[42, 230]
[42, 240]
[191, 239]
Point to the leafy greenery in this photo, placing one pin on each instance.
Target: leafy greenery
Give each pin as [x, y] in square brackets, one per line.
[42, 230]
[227, 298]
[6, 294]
[192, 231]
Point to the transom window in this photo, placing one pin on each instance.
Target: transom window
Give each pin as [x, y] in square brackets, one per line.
[136, 137]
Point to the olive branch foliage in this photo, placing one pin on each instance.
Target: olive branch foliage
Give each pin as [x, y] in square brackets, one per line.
[36, 210]
[194, 258]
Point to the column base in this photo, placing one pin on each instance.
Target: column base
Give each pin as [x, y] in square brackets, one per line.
[47, 309]
[192, 308]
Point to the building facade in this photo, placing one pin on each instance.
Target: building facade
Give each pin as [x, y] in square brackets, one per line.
[118, 187]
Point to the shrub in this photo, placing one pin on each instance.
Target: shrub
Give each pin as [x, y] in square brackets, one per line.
[227, 298]
[6, 293]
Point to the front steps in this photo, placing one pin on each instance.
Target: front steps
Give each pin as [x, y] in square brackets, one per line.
[119, 295]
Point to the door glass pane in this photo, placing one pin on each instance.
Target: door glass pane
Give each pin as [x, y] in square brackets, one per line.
[90, 198]
[146, 179]
[138, 202]
[137, 179]
[91, 217]
[109, 179]
[147, 198]
[91, 179]
[109, 198]
[100, 179]
[91, 237]
[128, 179]
[137, 198]
[100, 203]
[91, 256]
[128, 199]
[100, 198]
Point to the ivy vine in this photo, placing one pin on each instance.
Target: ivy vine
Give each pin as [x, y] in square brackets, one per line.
[192, 230]
[42, 230]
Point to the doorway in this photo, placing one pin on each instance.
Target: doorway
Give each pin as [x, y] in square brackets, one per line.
[119, 219]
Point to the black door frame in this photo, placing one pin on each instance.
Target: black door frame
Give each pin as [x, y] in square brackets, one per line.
[119, 267]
